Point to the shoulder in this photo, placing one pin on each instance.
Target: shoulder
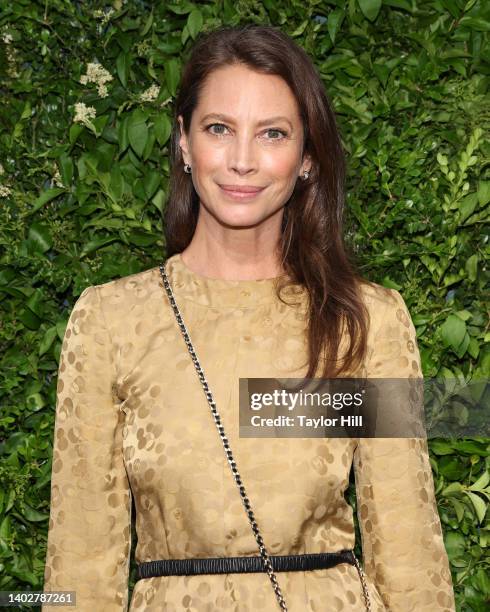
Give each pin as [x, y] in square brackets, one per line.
[135, 286]
[385, 305]
[120, 297]
[377, 297]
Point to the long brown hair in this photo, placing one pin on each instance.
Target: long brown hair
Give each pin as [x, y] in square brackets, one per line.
[311, 246]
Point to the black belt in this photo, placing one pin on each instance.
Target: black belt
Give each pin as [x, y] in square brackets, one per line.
[242, 565]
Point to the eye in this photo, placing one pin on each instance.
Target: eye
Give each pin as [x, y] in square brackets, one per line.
[213, 125]
[278, 131]
[282, 133]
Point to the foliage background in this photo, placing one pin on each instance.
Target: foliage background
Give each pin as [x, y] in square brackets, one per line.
[82, 191]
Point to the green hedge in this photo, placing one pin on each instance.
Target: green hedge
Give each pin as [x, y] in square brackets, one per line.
[87, 91]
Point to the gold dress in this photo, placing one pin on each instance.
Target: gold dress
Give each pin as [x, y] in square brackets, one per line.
[132, 421]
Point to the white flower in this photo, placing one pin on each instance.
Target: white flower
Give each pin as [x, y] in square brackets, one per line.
[103, 15]
[5, 191]
[57, 178]
[10, 54]
[97, 74]
[165, 102]
[102, 90]
[150, 94]
[142, 48]
[84, 113]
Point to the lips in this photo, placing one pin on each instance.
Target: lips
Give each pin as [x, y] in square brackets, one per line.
[241, 193]
[241, 188]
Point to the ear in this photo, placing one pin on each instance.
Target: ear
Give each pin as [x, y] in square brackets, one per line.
[183, 140]
[307, 163]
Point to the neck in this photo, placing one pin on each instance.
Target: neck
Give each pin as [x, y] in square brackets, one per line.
[234, 253]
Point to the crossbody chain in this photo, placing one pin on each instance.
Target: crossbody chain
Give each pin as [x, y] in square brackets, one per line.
[217, 419]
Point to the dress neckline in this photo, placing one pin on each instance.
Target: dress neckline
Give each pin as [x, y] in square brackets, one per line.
[218, 292]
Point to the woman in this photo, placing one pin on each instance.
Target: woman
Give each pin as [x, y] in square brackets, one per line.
[254, 214]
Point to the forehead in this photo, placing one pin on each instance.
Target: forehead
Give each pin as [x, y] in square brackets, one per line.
[244, 93]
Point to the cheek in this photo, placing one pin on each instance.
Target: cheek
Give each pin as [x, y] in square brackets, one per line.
[207, 158]
[281, 164]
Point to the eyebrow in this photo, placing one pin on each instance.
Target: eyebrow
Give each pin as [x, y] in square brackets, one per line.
[267, 121]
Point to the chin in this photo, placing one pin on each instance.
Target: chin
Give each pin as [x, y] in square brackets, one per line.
[240, 218]
[243, 221]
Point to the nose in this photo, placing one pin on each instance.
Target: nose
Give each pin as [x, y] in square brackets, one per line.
[242, 154]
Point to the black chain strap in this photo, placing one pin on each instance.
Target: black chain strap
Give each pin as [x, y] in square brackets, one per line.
[217, 419]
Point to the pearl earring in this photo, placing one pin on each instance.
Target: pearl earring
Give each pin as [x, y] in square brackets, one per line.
[187, 168]
[306, 174]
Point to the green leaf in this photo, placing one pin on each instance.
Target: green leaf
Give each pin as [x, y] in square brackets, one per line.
[403, 4]
[470, 447]
[335, 19]
[66, 169]
[159, 200]
[122, 67]
[467, 206]
[479, 505]
[116, 185]
[300, 29]
[464, 314]
[382, 71]
[25, 575]
[482, 482]
[453, 331]
[40, 237]
[29, 319]
[95, 244]
[151, 182]
[47, 340]
[163, 128]
[482, 582]
[61, 328]
[180, 9]
[194, 22]
[148, 150]
[483, 192]
[473, 347]
[471, 267]
[455, 544]
[452, 468]
[462, 348]
[455, 488]
[44, 198]
[35, 402]
[391, 284]
[75, 130]
[137, 131]
[99, 124]
[147, 26]
[6, 276]
[142, 238]
[172, 75]
[122, 133]
[5, 528]
[10, 501]
[370, 8]
[35, 302]
[458, 508]
[475, 23]
[33, 515]
[440, 447]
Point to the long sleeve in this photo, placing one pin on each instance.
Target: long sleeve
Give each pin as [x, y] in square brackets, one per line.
[402, 542]
[89, 535]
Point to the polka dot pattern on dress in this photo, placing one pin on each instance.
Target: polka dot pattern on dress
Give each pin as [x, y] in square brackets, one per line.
[132, 422]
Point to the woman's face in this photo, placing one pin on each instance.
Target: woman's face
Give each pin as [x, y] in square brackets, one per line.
[245, 131]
